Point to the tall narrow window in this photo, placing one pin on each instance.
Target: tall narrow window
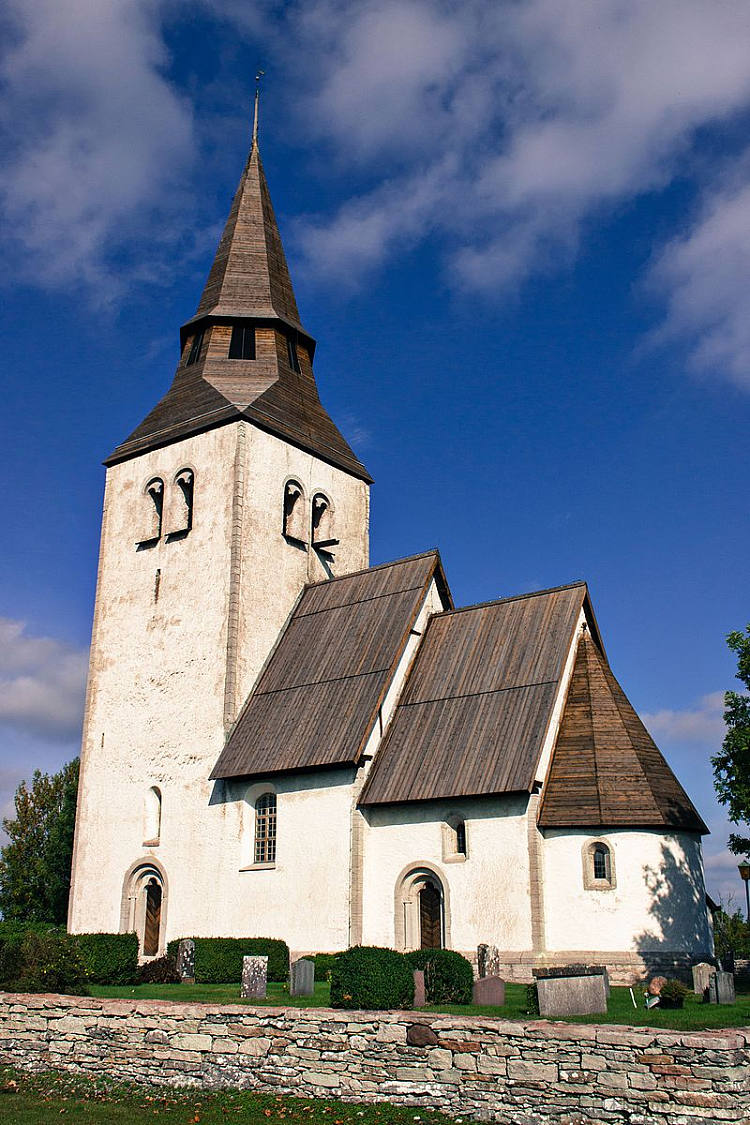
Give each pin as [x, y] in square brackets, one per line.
[265, 829]
[154, 500]
[195, 349]
[461, 838]
[242, 344]
[295, 524]
[181, 503]
[601, 862]
[598, 866]
[153, 817]
[322, 521]
[291, 347]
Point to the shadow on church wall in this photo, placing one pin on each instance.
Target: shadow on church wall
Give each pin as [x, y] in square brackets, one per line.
[678, 905]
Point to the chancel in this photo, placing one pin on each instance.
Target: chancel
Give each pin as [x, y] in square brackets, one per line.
[281, 740]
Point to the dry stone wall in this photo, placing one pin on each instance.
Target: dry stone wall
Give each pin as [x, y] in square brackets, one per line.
[532, 1073]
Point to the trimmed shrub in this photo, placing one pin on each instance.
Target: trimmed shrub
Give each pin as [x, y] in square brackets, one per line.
[324, 963]
[50, 961]
[110, 958]
[672, 994]
[162, 970]
[448, 977]
[219, 960]
[371, 978]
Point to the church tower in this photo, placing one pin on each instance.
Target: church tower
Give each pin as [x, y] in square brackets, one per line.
[235, 491]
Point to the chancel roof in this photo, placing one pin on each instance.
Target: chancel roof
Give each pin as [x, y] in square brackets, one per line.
[318, 696]
[476, 707]
[606, 769]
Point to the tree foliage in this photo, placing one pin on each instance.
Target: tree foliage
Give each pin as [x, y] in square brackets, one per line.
[35, 865]
[732, 764]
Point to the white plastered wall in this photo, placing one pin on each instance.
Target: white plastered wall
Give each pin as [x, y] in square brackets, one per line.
[160, 668]
[658, 902]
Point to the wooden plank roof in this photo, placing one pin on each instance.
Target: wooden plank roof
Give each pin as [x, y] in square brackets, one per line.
[318, 696]
[606, 770]
[249, 281]
[473, 715]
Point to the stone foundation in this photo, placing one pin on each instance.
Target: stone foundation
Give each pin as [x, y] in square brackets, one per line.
[525, 1073]
[624, 968]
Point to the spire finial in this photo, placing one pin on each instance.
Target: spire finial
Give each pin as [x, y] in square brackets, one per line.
[258, 77]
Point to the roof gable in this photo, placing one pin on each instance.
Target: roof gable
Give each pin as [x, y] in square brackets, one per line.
[473, 715]
[318, 696]
[606, 770]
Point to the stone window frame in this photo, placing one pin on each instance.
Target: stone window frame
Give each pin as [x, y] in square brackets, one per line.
[590, 882]
[449, 834]
[328, 539]
[152, 818]
[294, 519]
[154, 495]
[250, 800]
[185, 503]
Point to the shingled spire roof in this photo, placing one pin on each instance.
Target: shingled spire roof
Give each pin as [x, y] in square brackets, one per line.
[606, 769]
[248, 285]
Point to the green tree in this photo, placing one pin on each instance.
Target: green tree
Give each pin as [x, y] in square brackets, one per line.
[732, 764]
[35, 865]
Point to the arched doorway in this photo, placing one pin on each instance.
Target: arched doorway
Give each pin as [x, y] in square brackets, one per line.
[422, 910]
[144, 906]
[152, 919]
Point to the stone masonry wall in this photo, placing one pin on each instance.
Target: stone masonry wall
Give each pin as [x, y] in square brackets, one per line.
[532, 1073]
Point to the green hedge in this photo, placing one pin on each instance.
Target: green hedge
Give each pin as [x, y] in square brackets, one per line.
[324, 963]
[448, 977]
[219, 960]
[42, 961]
[371, 978]
[110, 958]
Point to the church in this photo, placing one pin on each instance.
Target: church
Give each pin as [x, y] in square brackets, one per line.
[283, 741]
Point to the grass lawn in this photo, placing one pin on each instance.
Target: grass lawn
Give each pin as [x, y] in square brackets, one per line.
[694, 1016]
[38, 1099]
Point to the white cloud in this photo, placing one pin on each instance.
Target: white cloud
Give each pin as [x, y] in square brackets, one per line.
[95, 134]
[702, 724]
[703, 277]
[42, 683]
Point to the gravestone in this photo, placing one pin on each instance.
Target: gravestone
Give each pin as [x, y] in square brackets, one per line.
[302, 977]
[254, 975]
[721, 988]
[420, 996]
[488, 961]
[186, 961]
[572, 996]
[489, 991]
[702, 974]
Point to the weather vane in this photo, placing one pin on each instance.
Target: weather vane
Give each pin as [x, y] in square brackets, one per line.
[258, 77]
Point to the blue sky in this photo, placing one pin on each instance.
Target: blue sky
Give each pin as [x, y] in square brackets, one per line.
[520, 233]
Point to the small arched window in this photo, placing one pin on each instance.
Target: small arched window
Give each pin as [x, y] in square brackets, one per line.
[153, 817]
[455, 839]
[294, 522]
[154, 513]
[181, 502]
[461, 838]
[265, 829]
[598, 866]
[322, 522]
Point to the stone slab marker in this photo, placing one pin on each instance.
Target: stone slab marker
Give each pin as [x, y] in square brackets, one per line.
[488, 990]
[721, 988]
[186, 961]
[420, 995]
[302, 977]
[254, 976]
[702, 974]
[571, 996]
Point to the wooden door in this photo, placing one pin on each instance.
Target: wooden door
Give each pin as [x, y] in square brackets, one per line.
[153, 919]
[430, 919]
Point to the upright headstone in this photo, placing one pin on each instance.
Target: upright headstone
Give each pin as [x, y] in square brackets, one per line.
[571, 996]
[186, 961]
[488, 991]
[302, 977]
[420, 995]
[488, 961]
[702, 974]
[721, 988]
[254, 976]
